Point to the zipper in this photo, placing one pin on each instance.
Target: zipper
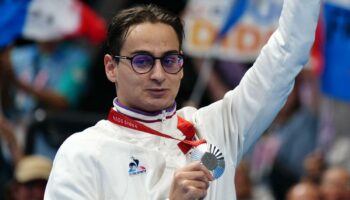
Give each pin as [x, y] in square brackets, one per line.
[163, 115]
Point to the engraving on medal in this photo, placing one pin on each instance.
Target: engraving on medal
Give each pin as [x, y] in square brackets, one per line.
[211, 157]
[209, 161]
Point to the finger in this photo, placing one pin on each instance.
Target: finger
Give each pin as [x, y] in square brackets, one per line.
[208, 174]
[197, 166]
[192, 175]
[203, 185]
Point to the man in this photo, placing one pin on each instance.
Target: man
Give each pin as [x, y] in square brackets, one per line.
[131, 155]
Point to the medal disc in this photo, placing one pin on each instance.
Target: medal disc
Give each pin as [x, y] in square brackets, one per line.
[211, 157]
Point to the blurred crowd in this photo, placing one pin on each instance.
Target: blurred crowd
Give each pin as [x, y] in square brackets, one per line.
[52, 84]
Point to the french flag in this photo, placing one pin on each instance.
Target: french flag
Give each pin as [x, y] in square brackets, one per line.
[45, 20]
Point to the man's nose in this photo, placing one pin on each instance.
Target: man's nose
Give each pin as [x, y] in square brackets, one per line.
[157, 72]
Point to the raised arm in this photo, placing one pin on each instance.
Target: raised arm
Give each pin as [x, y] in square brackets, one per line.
[244, 113]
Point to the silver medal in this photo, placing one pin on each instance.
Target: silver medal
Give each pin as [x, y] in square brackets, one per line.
[211, 157]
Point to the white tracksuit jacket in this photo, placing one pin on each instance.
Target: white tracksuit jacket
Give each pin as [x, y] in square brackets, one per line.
[94, 164]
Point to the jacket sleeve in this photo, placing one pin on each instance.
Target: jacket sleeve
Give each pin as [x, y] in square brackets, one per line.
[236, 122]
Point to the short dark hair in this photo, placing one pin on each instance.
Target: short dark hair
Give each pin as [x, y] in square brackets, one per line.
[123, 20]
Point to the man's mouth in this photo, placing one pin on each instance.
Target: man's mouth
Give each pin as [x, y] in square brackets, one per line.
[157, 92]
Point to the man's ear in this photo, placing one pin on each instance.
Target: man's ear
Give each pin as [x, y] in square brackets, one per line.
[110, 65]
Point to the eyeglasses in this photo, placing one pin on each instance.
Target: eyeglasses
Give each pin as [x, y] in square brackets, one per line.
[143, 63]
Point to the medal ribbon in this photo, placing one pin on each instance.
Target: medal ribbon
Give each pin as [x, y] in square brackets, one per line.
[184, 126]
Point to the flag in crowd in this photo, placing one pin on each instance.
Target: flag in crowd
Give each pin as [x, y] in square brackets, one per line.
[44, 20]
[332, 48]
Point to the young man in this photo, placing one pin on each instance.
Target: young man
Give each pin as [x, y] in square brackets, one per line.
[130, 155]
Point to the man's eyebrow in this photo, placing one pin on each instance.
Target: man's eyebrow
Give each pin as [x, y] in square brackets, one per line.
[140, 52]
[171, 51]
[150, 53]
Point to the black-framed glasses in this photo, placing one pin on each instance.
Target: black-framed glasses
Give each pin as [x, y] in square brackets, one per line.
[143, 63]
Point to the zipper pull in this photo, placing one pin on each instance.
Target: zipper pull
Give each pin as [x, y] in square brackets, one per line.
[163, 115]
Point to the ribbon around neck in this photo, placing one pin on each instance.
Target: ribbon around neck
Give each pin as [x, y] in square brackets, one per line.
[183, 125]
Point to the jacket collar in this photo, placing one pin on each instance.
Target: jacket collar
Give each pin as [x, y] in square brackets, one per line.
[144, 116]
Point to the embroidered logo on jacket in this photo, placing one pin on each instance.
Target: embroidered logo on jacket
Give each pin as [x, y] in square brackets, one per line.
[134, 167]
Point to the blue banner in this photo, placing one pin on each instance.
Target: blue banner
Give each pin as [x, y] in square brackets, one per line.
[335, 80]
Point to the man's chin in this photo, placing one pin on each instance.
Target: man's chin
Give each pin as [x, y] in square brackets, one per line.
[155, 106]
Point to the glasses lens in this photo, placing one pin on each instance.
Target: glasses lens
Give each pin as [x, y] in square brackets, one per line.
[142, 63]
[172, 63]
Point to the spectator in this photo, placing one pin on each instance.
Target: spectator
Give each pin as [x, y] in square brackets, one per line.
[335, 184]
[278, 157]
[295, 127]
[48, 75]
[31, 175]
[245, 188]
[304, 191]
[314, 166]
